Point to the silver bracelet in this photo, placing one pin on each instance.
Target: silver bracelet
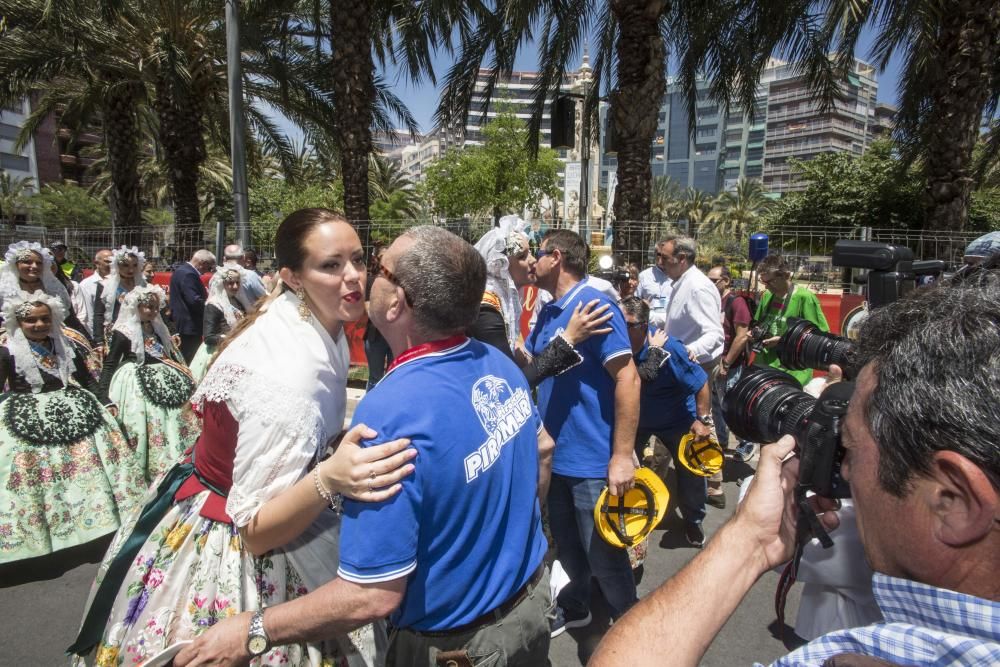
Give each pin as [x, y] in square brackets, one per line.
[334, 501]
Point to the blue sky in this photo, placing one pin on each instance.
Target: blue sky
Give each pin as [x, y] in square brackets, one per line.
[422, 99]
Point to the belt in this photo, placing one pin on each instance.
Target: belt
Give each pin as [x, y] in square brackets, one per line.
[490, 617]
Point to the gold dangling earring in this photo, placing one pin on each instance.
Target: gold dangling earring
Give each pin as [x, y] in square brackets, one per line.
[304, 313]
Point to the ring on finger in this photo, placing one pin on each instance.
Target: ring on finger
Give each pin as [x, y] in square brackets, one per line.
[370, 489]
[371, 474]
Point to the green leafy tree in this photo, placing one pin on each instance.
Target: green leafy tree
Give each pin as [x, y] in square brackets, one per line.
[876, 189]
[273, 199]
[496, 178]
[67, 206]
[984, 210]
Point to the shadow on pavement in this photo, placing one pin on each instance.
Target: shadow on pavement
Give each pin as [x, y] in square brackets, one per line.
[54, 565]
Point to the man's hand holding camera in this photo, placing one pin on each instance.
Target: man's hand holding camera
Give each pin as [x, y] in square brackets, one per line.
[767, 518]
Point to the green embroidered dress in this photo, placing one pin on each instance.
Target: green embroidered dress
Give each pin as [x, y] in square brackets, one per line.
[150, 397]
[68, 475]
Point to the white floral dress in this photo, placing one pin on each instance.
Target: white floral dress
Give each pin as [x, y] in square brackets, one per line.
[193, 570]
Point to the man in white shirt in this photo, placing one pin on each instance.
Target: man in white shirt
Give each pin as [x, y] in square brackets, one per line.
[84, 305]
[654, 287]
[692, 312]
[693, 318]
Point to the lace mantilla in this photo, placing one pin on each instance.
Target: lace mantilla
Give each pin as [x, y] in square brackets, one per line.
[247, 392]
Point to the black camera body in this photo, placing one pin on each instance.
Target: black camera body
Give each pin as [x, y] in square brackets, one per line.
[890, 268]
[763, 404]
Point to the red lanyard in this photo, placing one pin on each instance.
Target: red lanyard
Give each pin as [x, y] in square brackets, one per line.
[427, 348]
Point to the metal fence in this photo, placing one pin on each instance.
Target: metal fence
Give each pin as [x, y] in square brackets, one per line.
[809, 248]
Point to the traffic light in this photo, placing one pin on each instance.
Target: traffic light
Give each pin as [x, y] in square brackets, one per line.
[610, 136]
[564, 123]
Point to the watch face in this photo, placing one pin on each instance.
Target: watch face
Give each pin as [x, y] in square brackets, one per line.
[257, 644]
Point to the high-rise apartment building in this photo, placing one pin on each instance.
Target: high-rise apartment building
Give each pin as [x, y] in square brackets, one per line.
[18, 164]
[786, 123]
[797, 126]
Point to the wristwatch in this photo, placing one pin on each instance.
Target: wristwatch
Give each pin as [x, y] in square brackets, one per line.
[706, 419]
[257, 640]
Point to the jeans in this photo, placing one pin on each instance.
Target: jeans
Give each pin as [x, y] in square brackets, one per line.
[377, 354]
[691, 488]
[582, 552]
[519, 638]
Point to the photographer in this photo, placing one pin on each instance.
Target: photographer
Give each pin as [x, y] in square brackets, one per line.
[781, 301]
[925, 479]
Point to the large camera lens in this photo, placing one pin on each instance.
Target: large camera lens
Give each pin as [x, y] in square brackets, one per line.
[805, 346]
[765, 404]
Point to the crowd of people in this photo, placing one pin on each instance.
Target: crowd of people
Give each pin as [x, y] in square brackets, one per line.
[208, 430]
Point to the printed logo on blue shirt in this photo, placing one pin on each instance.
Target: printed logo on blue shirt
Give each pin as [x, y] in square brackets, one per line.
[502, 413]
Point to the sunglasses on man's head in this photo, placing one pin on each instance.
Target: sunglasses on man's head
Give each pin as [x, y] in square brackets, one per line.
[636, 325]
[542, 252]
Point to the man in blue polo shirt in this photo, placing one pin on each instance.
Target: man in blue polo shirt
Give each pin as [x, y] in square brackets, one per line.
[456, 558]
[676, 399]
[591, 412]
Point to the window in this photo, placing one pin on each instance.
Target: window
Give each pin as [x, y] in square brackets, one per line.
[9, 131]
[14, 162]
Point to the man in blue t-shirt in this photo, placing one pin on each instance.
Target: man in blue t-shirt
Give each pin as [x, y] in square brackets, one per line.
[676, 399]
[455, 559]
[591, 412]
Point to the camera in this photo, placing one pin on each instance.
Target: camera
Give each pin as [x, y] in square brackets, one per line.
[890, 268]
[611, 270]
[804, 345]
[764, 404]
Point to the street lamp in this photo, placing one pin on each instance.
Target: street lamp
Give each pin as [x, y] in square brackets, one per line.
[241, 208]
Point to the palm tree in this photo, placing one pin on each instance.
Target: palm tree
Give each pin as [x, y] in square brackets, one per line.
[722, 41]
[361, 31]
[701, 211]
[78, 64]
[12, 194]
[740, 210]
[665, 199]
[385, 178]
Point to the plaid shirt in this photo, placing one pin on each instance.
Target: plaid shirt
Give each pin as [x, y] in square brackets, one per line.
[923, 625]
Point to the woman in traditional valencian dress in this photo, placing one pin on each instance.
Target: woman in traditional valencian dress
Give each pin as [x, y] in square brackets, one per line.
[510, 267]
[126, 274]
[67, 473]
[247, 520]
[27, 269]
[145, 377]
[222, 311]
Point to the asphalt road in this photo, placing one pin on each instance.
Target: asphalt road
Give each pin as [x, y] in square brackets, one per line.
[41, 602]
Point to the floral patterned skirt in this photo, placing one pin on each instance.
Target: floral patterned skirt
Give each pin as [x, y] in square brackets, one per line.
[67, 473]
[193, 572]
[199, 365]
[151, 400]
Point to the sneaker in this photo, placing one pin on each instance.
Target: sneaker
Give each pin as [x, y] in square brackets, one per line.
[746, 452]
[694, 534]
[560, 621]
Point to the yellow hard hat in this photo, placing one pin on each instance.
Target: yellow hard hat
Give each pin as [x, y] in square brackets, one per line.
[702, 457]
[624, 520]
